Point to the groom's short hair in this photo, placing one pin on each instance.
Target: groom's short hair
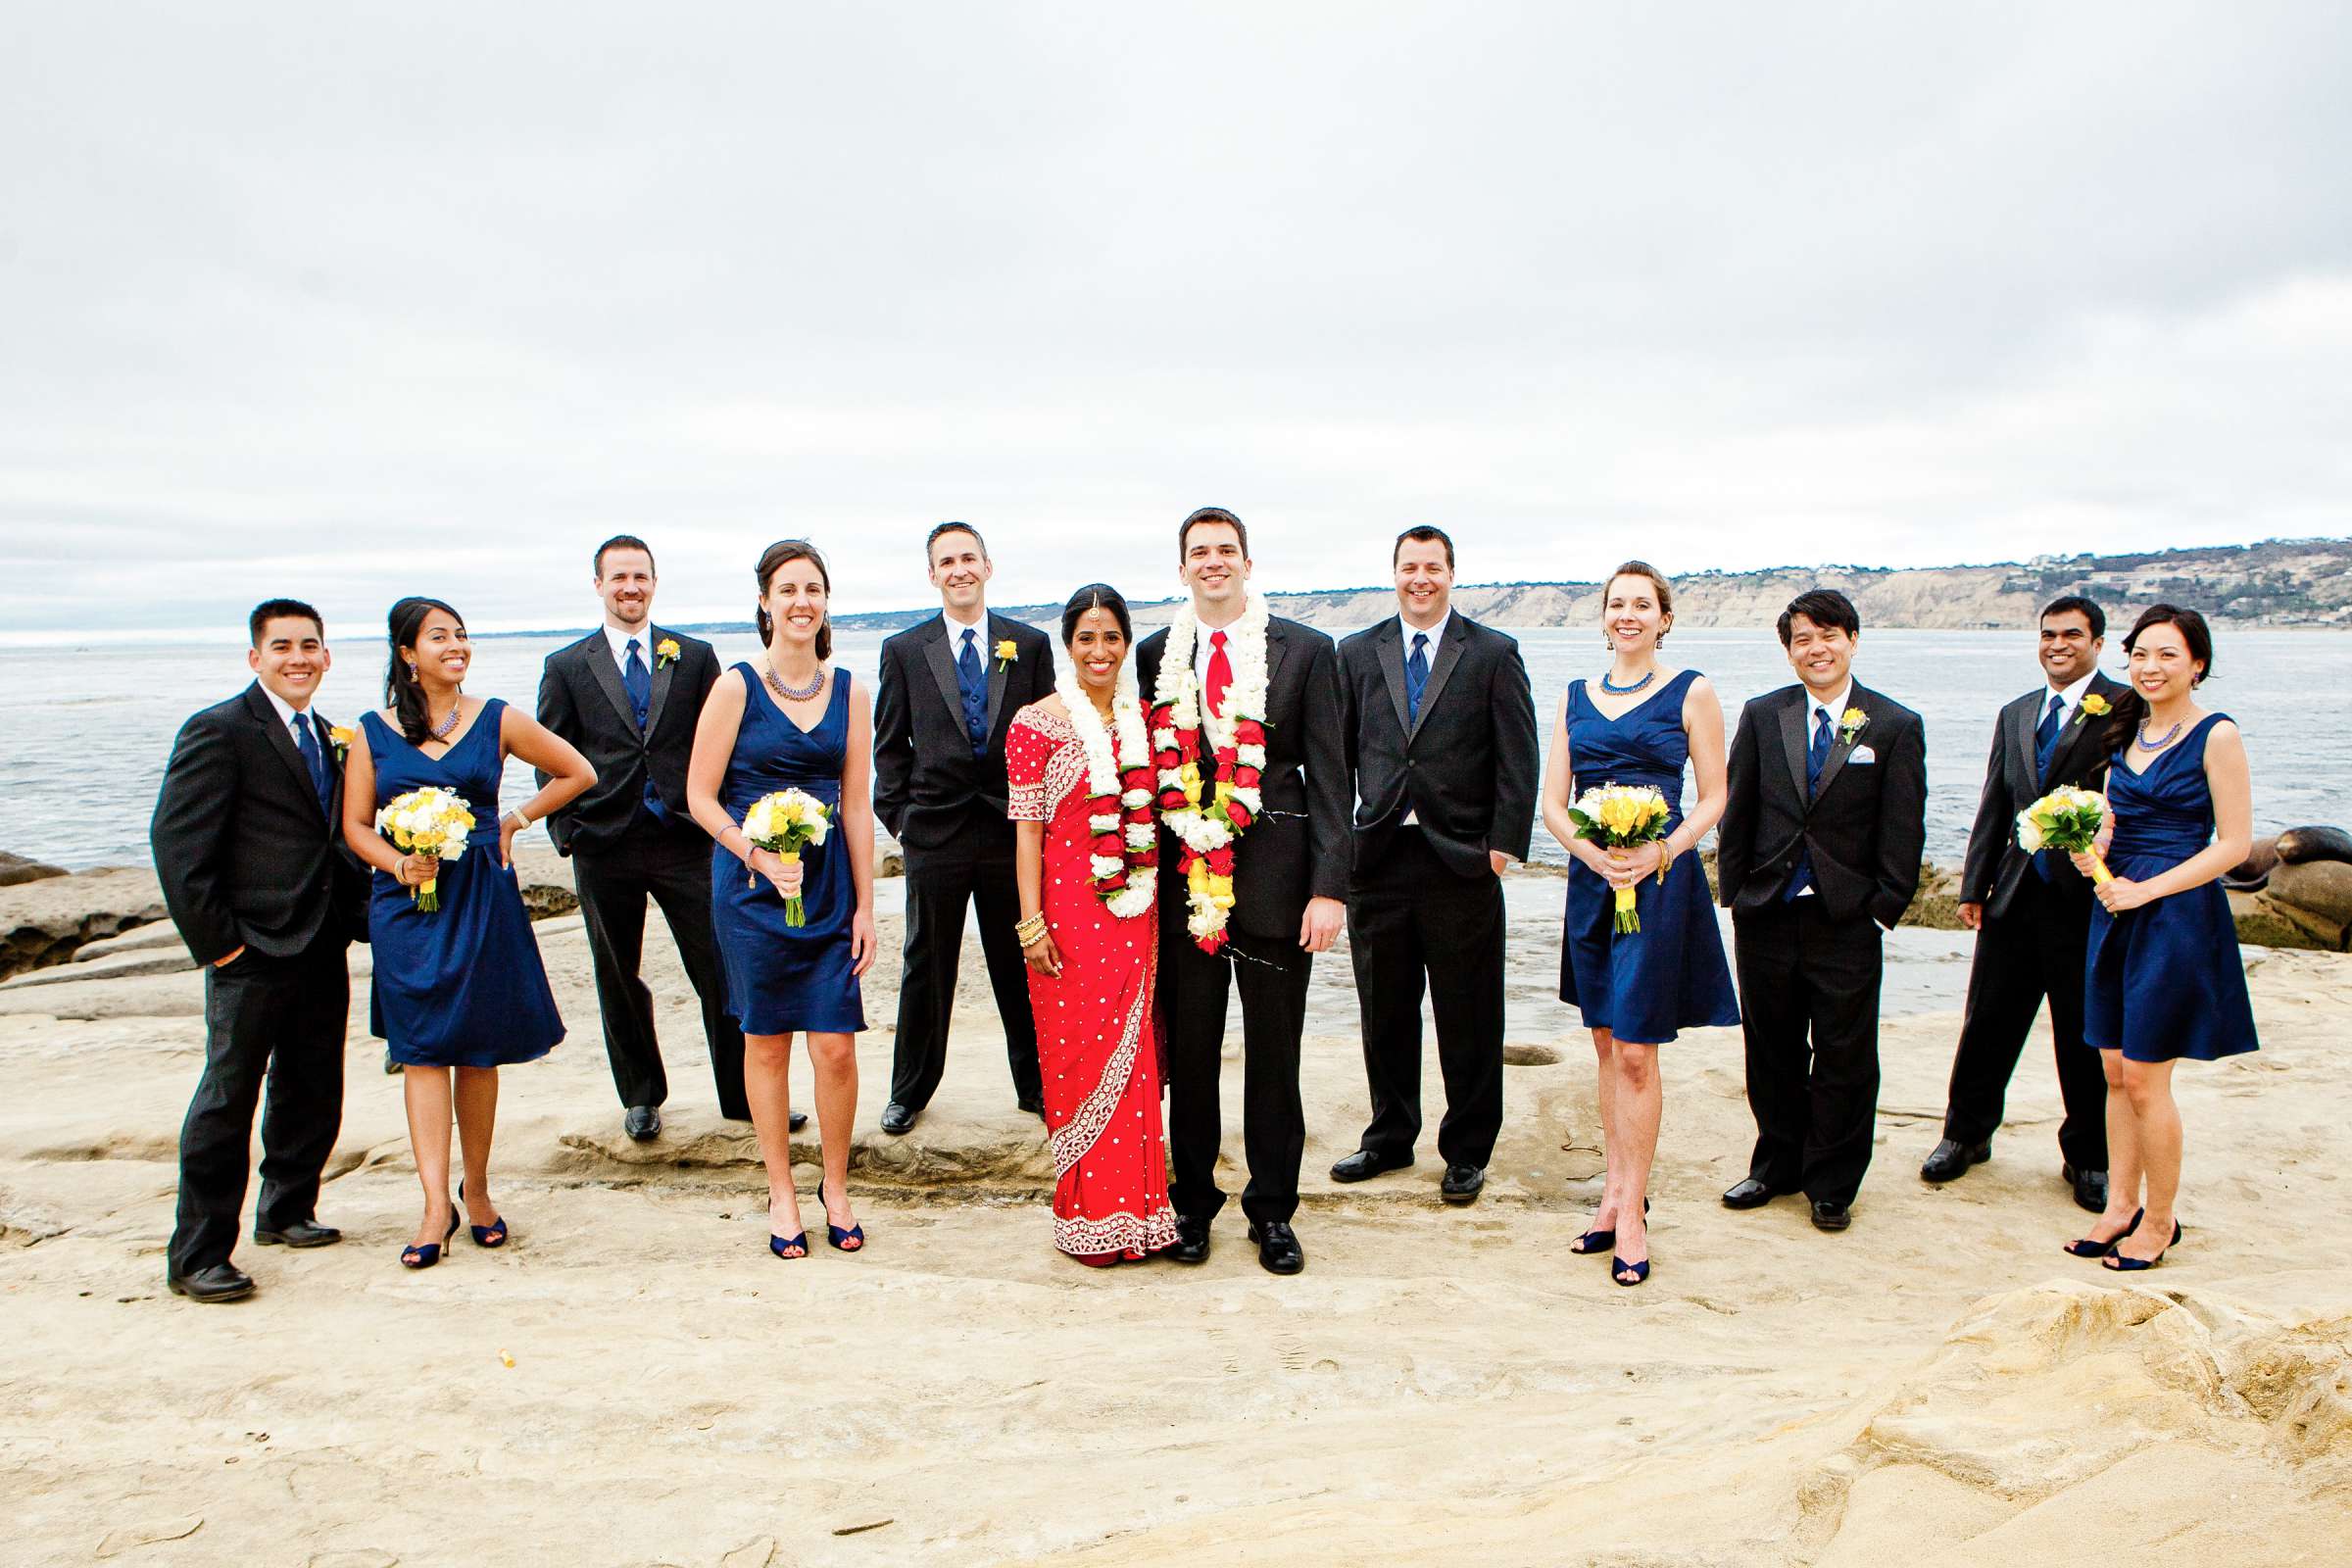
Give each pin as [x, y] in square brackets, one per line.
[270, 610]
[1823, 606]
[1184, 531]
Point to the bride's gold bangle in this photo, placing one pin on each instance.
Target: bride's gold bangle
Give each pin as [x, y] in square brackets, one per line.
[1028, 931]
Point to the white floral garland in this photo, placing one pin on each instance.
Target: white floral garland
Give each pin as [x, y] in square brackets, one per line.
[1102, 770]
[1178, 690]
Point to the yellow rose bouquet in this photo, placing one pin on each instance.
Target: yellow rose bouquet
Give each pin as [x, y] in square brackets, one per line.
[430, 821]
[2068, 820]
[781, 823]
[1618, 817]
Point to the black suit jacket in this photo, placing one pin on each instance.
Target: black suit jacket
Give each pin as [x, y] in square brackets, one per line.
[1864, 825]
[1466, 771]
[246, 857]
[581, 698]
[1300, 848]
[1995, 866]
[928, 785]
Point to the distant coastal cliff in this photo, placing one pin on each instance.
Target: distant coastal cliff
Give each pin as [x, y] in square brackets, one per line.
[2279, 582]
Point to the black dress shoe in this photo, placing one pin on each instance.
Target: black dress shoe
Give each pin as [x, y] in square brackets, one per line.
[215, 1282]
[1952, 1158]
[796, 1121]
[642, 1123]
[1462, 1183]
[897, 1119]
[2090, 1187]
[1749, 1193]
[1034, 1105]
[302, 1233]
[1278, 1249]
[1192, 1240]
[1366, 1164]
[1830, 1216]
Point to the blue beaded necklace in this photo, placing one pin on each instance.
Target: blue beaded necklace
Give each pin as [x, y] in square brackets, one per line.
[1627, 691]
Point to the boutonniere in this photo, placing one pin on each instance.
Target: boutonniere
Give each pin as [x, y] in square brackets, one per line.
[1006, 652]
[340, 737]
[2094, 707]
[1849, 725]
[666, 653]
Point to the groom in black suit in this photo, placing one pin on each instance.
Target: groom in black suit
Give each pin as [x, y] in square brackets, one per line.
[947, 693]
[627, 696]
[249, 848]
[2031, 912]
[1819, 850]
[1440, 731]
[1290, 881]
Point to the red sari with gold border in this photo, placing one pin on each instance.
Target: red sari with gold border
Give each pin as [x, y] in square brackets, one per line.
[1095, 1043]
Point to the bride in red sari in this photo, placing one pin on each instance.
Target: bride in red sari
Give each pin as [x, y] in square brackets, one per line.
[1079, 764]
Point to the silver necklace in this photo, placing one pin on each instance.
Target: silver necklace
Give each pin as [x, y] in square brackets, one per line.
[443, 730]
[775, 683]
[2161, 741]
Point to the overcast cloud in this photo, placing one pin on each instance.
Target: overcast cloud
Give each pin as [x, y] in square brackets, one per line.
[350, 301]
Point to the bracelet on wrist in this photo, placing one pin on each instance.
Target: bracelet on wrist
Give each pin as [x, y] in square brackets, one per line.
[1027, 931]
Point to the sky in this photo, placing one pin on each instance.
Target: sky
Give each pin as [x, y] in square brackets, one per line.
[348, 302]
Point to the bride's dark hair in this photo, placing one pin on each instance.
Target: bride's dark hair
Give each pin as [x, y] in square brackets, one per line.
[1095, 596]
[403, 694]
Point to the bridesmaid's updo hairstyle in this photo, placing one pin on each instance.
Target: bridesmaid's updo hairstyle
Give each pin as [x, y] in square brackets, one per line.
[1658, 580]
[403, 693]
[774, 559]
[2132, 708]
[1095, 596]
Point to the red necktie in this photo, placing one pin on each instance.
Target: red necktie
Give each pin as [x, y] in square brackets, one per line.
[1220, 674]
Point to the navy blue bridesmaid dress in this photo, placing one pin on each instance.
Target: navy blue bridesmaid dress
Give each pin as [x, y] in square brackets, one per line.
[460, 987]
[1642, 986]
[2163, 981]
[783, 979]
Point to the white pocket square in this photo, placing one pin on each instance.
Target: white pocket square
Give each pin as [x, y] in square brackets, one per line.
[1861, 754]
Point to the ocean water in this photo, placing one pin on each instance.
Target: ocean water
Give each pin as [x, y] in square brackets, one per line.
[88, 726]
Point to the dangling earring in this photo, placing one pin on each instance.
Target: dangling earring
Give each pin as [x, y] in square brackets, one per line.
[1608, 642]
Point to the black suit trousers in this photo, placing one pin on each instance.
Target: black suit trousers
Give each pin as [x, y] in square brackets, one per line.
[973, 867]
[279, 1021]
[1412, 924]
[2034, 948]
[674, 869]
[1271, 973]
[1809, 1008]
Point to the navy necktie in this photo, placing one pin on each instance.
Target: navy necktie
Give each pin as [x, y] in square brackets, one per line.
[2045, 752]
[638, 682]
[2046, 738]
[1416, 677]
[972, 682]
[1818, 753]
[306, 741]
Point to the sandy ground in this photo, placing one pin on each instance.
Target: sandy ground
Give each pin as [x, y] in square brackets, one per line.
[635, 1381]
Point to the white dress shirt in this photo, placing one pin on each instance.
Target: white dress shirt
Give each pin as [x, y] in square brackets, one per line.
[291, 717]
[957, 630]
[1814, 709]
[617, 640]
[2073, 695]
